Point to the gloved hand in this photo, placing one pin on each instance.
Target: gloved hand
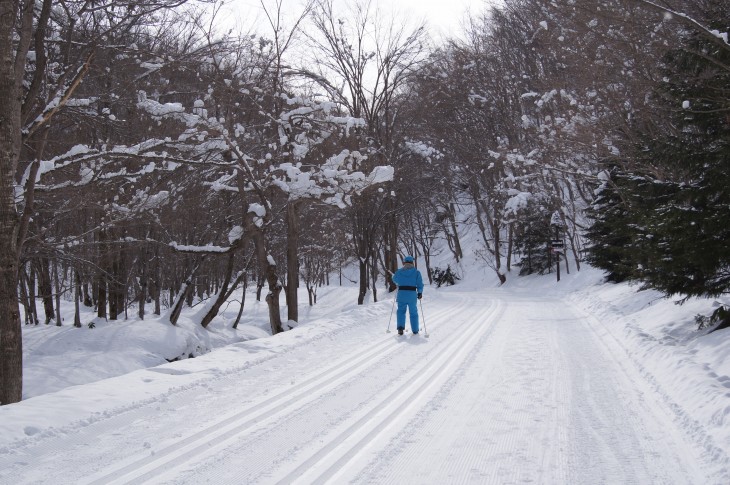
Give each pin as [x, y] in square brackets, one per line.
[420, 296]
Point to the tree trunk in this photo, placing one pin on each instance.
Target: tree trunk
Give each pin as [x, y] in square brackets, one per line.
[576, 253]
[293, 227]
[259, 286]
[363, 280]
[88, 300]
[113, 292]
[494, 224]
[57, 295]
[220, 298]
[480, 219]
[374, 275]
[458, 254]
[45, 287]
[267, 265]
[142, 298]
[24, 300]
[510, 244]
[32, 295]
[121, 283]
[427, 261]
[176, 307]
[272, 300]
[77, 300]
[11, 342]
[156, 292]
[101, 279]
[177, 304]
[190, 295]
[156, 287]
[243, 299]
[391, 251]
[240, 311]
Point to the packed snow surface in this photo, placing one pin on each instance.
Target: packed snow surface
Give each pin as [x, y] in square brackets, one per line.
[576, 382]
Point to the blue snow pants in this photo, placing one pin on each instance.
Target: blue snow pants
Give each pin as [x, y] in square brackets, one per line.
[412, 307]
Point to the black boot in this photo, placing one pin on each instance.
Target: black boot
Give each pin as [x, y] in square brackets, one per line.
[400, 331]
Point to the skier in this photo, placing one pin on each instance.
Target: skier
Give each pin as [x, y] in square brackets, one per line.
[410, 288]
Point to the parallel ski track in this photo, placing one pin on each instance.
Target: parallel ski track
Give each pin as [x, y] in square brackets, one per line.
[254, 416]
[145, 468]
[468, 402]
[332, 459]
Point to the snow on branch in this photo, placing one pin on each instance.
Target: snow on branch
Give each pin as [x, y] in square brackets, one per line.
[517, 201]
[259, 212]
[206, 249]
[719, 38]
[59, 100]
[155, 153]
[235, 237]
[166, 110]
[333, 182]
[424, 150]
[348, 122]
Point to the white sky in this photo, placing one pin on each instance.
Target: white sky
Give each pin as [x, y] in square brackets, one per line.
[444, 17]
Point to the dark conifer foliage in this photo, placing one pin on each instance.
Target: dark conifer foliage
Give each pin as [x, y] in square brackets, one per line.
[532, 240]
[665, 220]
[690, 226]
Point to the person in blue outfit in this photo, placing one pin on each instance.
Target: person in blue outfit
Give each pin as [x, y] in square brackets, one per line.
[410, 289]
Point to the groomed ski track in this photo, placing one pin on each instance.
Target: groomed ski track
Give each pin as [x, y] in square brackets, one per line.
[508, 389]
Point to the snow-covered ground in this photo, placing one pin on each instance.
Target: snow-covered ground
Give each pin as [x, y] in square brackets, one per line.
[575, 382]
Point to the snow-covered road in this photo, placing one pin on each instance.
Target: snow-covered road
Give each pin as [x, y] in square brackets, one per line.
[508, 389]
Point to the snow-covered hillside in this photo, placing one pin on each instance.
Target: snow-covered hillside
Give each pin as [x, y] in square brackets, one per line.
[534, 381]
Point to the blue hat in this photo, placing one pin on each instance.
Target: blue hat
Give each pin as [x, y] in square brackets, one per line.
[408, 259]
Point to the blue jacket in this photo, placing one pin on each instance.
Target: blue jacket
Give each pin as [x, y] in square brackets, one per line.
[408, 276]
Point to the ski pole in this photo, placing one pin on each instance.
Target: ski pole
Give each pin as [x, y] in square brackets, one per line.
[425, 330]
[391, 311]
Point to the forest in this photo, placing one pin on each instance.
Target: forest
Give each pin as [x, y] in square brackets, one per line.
[149, 160]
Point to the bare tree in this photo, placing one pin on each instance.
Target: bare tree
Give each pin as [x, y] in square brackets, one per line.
[365, 63]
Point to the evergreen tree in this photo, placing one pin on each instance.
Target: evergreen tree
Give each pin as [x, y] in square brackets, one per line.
[532, 240]
[689, 208]
[609, 236]
[664, 221]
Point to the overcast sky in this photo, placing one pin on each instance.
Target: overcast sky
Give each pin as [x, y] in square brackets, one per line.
[444, 17]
